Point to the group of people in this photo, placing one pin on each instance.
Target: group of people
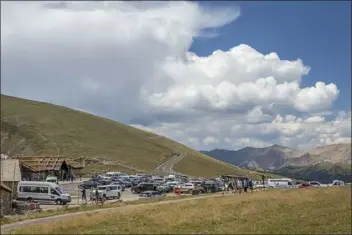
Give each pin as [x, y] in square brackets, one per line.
[238, 185]
[93, 196]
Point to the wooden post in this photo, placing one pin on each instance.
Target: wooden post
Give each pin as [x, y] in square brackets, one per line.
[13, 182]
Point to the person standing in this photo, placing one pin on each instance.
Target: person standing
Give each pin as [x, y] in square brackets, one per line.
[84, 196]
[239, 185]
[245, 185]
[250, 185]
[91, 196]
[96, 195]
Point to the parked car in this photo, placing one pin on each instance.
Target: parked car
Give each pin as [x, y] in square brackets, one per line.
[317, 184]
[123, 187]
[110, 191]
[210, 187]
[121, 180]
[42, 191]
[143, 187]
[89, 184]
[173, 184]
[337, 183]
[104, 182]
[281, 183]
[304, 185]
[150, 194]
[163, 188]
[187, 187]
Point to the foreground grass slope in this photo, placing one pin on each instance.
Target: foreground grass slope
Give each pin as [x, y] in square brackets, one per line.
[306, 211]
[36, 128]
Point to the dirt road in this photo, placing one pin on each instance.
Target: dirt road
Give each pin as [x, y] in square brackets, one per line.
[167, 167]
[5, 229]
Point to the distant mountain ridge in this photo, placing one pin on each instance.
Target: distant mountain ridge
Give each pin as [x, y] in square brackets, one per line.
[281, 159]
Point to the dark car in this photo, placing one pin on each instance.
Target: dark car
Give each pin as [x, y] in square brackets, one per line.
[210, 187]
[143, 187]
[89, 184]
[104, 182]
[150, 194]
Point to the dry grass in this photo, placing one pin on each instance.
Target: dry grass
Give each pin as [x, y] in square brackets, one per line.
[297, 211]
[88, 207]
[44, 126]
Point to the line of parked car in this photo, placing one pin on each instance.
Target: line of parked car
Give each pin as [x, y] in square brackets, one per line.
[289, 183]
[111, 185]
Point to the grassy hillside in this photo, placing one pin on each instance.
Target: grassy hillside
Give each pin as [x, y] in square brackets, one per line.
[301, 211]
[323, 172]
[37, 128]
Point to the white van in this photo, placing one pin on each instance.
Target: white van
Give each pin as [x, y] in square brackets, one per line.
[42, 191]
[281, 183]
[52, 179]
[110, 191]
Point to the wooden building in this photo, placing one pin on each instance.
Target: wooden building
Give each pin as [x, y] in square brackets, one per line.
[39, 167]
[5, 199]
[11, 174]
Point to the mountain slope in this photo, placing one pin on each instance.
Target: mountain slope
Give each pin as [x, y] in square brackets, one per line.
[36, 128]
[334, 153]
[323, 163]
[271, 157]
[324, 172]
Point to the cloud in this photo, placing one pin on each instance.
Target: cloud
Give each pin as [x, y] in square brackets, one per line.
[130, 61]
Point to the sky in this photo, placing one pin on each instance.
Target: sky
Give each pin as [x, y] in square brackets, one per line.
[207, 74]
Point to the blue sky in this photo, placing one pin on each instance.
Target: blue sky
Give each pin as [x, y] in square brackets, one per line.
[319, 33]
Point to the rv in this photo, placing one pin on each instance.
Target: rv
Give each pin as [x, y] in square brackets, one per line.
[42, 191]
[281, 183]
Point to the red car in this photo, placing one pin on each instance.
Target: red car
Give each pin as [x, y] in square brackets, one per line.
[304, 185]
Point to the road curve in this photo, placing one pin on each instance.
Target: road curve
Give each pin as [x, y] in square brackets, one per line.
[5, 229]
[167, 167]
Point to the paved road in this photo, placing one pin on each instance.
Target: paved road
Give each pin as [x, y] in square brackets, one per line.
[167, 167]
[5, 229]
[72, 189]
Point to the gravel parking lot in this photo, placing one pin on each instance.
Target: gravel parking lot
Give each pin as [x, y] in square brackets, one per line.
[72, 189]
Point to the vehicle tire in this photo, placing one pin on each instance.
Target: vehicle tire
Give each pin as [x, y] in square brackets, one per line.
[105, 198]
[118, 196]
[58, 202]
[64, 203]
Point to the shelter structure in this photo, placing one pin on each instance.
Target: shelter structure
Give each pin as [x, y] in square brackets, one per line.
[39, 167]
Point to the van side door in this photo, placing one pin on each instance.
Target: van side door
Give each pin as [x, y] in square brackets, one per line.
[54, 194]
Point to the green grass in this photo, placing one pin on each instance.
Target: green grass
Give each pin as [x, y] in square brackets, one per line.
[45, 128]
[298, 211]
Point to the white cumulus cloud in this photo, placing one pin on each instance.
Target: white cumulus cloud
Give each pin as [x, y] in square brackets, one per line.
[130, 61]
